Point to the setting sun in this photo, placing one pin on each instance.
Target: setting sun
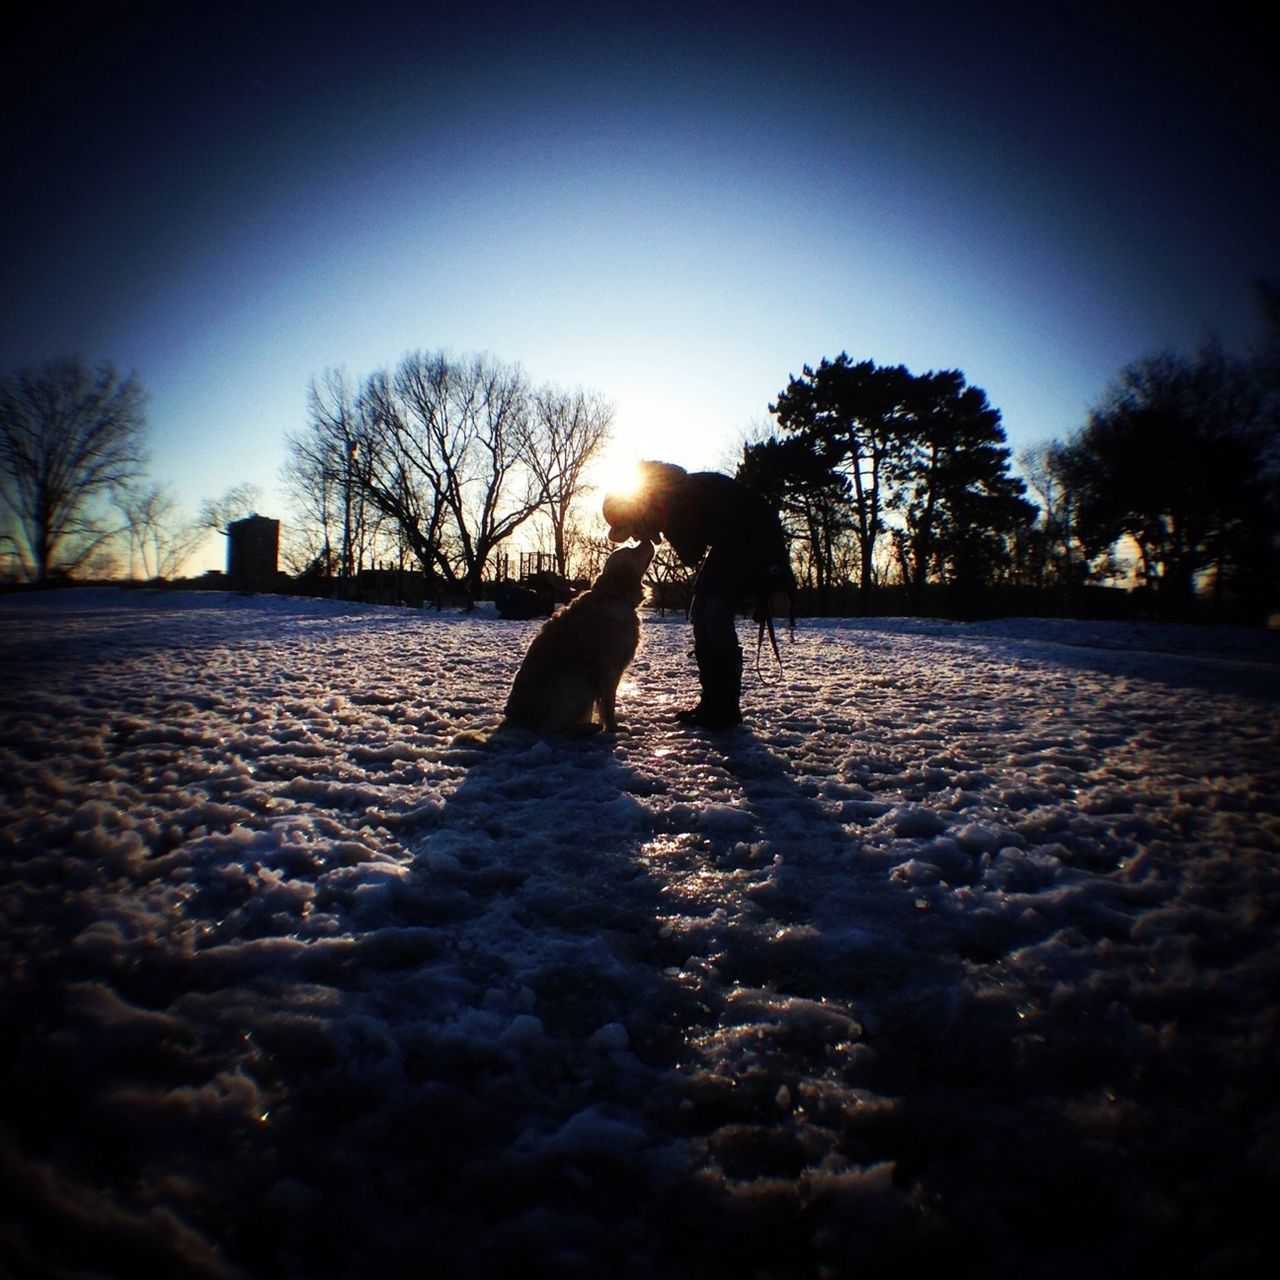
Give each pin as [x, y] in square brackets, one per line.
[617, 472]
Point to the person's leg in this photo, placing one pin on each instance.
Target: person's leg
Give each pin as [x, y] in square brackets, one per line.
[719, 657]
[697, 610]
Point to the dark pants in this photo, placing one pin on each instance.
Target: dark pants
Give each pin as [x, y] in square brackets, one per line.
[714, 630]
[721, 585]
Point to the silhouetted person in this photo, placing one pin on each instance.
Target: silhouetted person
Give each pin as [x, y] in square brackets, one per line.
[709, 514]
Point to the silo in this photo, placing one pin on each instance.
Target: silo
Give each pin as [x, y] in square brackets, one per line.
[253, 549]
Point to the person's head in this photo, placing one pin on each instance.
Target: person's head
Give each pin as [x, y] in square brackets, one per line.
[625, 515]
[642, 512]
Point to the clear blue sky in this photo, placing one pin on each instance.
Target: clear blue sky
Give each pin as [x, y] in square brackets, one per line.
[677, 206]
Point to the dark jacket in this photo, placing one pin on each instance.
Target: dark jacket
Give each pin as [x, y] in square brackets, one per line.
[747, 547]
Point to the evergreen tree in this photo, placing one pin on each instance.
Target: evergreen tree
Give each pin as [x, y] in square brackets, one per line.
[921, 458]
[1176, 459]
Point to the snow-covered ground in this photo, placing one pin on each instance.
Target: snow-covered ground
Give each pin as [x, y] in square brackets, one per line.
[961, 956]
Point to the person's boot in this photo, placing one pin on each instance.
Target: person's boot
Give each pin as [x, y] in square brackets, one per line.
[721, 675]
[705, 667]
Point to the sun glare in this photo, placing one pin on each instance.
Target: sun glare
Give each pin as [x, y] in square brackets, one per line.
[619, 476]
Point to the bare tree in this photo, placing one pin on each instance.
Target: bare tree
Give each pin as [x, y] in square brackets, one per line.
[453, 453]
[1060, 561]
[329, 473]
[307, 476]
[473, 430]
[239, 501]
[396, 472]
[446, 462]
[562, 434]
[160, 540]
[69, 438]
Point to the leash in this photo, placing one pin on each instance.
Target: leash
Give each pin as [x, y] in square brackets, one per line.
[767, 622]
[765, 618]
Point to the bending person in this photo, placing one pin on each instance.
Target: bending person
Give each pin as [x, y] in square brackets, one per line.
[711, 519]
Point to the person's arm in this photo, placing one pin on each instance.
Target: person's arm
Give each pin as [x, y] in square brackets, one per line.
[689, 547]
[685, 524]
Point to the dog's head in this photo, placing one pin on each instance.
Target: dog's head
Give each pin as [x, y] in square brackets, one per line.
[623, 573]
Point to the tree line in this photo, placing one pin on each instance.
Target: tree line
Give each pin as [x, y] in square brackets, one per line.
[881, 472]
[1180, 464]
[438, 461]
[898, 489]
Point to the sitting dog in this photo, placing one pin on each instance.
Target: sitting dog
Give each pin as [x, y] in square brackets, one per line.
[573, 666]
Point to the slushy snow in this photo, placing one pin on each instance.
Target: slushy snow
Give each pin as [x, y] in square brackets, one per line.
[960, 956]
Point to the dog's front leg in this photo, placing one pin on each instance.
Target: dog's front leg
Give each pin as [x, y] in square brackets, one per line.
[608, 707]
